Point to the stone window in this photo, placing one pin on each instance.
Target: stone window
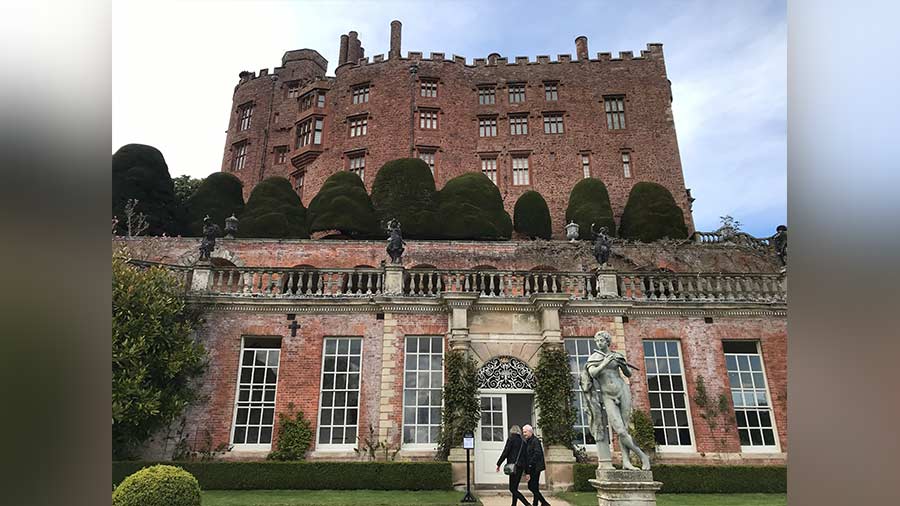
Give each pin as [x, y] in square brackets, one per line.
[428, 87]
[489, 168]
[423, 381]
[669, 408]
[313, 98]
[357, 165]
[487, 127]
[293, 89]
[551, 91]
[309, 132]
[359, 126]
[320, 99]
[553, 123]
[298, 182]
[339, 400]
[626, 163]
[239, 155]
[520, 170]
[428, 119]
[615, 112]
[361, 94]
[518, 124]
[428, 157]
[487, 95]
[749, 393]
[579, 349]
[516, 93]
[254, 408]
[281, 154]
[586, 165]
[245, 115]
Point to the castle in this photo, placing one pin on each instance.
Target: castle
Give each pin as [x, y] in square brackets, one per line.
[527, 124]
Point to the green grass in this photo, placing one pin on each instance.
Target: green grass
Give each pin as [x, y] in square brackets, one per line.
[331, 498]
[590, 499]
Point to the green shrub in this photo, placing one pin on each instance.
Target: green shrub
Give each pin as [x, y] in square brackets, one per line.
[470, 207]
[271, 475]
[531, 216]
[553, 395]
[404, 189]
[343, 204]
[589, 203]
[294, 436]
[461, 408]
[140, 172]
[642, 432]
[273, 210]
[219, 195]
[158, 485]
[651, 214]
[678, 479]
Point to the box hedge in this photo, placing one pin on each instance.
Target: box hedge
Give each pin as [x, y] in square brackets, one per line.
[589, 203]
[678, 479]
[273, 211]
[158, 485]
[140, 172]
[404, 189]
[651, 214]
[220, 195]
[271, 475]
[471, 208]
[531, 216]
[343, 204]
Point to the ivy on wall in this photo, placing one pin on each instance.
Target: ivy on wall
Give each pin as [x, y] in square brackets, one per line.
[553, 395]
[461, 408]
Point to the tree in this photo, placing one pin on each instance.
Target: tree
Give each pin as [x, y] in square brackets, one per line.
[275, 211]
[220, 195]
[553, 395]
[139, 172]
[651, 214]
[404, 189]
[343, 204]
[461, 408]
[154, 355]
[589, 203]
[471, 207]
[531, 216]
[185, 186]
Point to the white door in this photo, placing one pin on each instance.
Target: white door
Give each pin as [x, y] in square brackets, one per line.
[490, 438]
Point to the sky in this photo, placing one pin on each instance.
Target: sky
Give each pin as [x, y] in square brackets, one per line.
[175, 65]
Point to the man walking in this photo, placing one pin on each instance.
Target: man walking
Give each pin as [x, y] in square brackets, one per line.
[534, 464]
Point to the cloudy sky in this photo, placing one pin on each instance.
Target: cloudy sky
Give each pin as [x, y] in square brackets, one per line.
[175, 65]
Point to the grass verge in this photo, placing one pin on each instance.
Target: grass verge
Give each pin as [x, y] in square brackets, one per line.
[590, 499]
[332, 498]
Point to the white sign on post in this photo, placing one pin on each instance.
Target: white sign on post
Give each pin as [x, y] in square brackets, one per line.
[468, 442]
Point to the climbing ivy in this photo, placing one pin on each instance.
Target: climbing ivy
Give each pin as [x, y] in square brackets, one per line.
[461, 408]
[553, 395]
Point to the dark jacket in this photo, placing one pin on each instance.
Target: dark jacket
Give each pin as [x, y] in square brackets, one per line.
[513, 444]
[534, 455]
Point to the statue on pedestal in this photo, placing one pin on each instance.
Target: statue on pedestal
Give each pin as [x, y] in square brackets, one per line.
[395, 241]
[602, 245]
[208, 243]
[779, 240]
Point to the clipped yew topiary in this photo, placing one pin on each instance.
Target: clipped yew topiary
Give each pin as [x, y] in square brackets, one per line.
[470, 207]
[651, 214]
[219, 195]
[404, 189]
[140, 172]
[273, 211]
[531, 216]
[158, 485]
[343, 204]
[589, 203]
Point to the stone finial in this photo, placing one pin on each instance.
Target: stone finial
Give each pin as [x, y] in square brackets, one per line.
[231, 226]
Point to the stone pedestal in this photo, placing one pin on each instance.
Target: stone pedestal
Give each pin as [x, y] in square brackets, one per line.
[625, 487]
[607, 285]
[201, 277]
[393, 279]
[457, 459]
[560, 463]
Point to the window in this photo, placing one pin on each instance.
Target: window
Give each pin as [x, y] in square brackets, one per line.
[489, 168]
[306, 101]
[298, 182]
[487, 127]
[579, 350]
[254, 408]
[339, 403]
[428, 157]
[626, 163]
[239, 156]
[428, 87]
[358, 165]
[293, 89]
[516, 93]
[518, 124]
[309, 132]
[320, 100]
[668, 396]
[317, 133]
[428, 119]
[423, 380]
[551, 92]
[361, 94]
[586, 165]
[487, 95]
[553, 123]
[750, 396]
[520, 169]
[281, 154]
[245, 114]
[358, 126]
[615, 112]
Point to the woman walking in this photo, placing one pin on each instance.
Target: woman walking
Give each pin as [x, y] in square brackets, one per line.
[514, 455]
[534, 464]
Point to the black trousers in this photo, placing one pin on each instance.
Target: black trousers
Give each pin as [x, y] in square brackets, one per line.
[514, 480]
[534, 483]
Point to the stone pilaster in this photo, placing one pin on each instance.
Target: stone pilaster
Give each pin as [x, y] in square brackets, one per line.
[388, 391]
[547, 306]
[459, 304]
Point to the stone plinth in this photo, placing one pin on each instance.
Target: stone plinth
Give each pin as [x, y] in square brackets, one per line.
[617, 487]
[560, 463]
[607, 286]
[457, 459]
[393, 279]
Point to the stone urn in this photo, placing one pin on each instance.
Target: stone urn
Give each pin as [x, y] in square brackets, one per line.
[572, 231]
[231, 226]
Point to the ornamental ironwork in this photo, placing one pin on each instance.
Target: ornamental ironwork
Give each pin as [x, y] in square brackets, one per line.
[505, 372]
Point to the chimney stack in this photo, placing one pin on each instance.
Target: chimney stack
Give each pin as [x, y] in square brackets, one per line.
[581, 48]
[395, 40]
[342, 56]
[353, 45]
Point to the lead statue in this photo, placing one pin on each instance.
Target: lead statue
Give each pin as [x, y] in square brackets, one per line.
[208, 243]
[609, 398]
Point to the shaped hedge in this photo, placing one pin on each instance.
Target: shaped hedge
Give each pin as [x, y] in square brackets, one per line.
[158, 485]
[531, 216]
[343, 204]
[219, 196]
[273, 211]
[470, 207]
[589, 203]
[404, 189]
[651, 214]
[140, 172]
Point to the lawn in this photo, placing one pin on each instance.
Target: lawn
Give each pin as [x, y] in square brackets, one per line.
[331, 498]
[590, 499]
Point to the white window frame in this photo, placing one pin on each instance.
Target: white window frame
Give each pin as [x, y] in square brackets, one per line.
[487, 126]
[245, 116]
[518, 124]
[421, 446]
[244, 447]
[359, 126]
[516, 93]
[521, 174]
[431, 159]
[293, 89]
[586, 165]
[615, 112]
[626, 163]
[551, 91]
[489, 169]
[428, 119]
[776, 448]
[360, 94]
[691, 448]
[428, 88]
[487, 95]
[553, 123]
[356, 164]
[239, 159]
[576, 390]
[332, 447]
